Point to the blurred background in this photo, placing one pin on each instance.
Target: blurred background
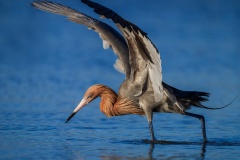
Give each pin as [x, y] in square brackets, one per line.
[47, 63]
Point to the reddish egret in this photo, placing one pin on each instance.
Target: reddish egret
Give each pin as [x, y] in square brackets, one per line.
[142, 92]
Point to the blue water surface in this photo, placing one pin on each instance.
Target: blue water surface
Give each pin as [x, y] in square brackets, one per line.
[47, 63]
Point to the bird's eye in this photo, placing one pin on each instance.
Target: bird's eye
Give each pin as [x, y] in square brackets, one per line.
[90, 96]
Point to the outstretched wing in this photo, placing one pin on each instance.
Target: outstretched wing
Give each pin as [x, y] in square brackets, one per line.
[111, 38]
[144, 57]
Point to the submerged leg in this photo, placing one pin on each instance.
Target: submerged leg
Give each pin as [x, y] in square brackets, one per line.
[201, 118]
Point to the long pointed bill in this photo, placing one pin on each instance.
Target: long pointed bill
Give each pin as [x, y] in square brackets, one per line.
[80, 105]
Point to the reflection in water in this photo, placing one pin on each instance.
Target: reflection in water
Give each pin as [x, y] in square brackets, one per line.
[203, 149]
[156, 150]
[160, 145]
[149, 155]
[162, 142]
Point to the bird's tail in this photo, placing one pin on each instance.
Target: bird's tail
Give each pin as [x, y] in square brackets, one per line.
[193, 98]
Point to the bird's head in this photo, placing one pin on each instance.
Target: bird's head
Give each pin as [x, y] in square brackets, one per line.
[92, 93]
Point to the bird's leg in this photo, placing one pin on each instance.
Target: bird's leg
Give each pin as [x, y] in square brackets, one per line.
[149, 116]
[201, 118]
[151, 130]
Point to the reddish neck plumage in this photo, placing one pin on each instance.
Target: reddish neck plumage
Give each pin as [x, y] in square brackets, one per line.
[108, 99]
[112, 105]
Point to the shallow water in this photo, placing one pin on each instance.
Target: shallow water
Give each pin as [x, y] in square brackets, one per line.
[47, 63]
[36, 134]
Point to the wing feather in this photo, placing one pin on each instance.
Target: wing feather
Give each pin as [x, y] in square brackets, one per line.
[110, 37]
[144, 57]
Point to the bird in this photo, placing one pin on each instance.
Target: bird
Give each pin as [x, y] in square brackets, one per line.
[143, 91]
